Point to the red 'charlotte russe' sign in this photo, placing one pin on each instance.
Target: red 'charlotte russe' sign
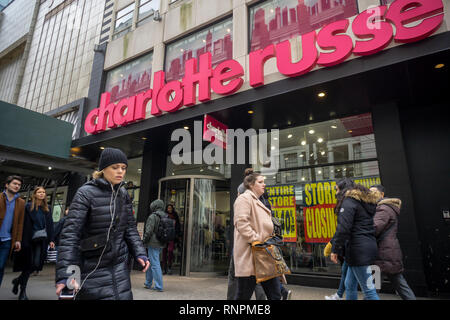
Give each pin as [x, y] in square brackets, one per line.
[226, 78]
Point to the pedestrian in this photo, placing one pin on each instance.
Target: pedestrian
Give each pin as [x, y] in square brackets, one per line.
[59, 225]
[37, 236]
[390, 258]
[342, 186]
[154, 246]
[232, 281]
[99, 234]
[252, 222]
[355, 241]
[12, 215]
[167, 253]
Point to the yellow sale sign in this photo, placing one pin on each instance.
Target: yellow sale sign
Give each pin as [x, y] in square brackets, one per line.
[282, 200]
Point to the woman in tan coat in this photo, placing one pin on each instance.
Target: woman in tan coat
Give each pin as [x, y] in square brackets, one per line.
[252, 222]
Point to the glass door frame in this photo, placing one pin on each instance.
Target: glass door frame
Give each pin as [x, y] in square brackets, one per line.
[186, 260]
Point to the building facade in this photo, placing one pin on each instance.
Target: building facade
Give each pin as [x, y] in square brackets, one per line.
[335, 88]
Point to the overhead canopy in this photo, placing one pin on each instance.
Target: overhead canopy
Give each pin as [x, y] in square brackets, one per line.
[31, 131]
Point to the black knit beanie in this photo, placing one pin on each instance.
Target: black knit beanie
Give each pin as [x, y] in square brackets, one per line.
[111, 156]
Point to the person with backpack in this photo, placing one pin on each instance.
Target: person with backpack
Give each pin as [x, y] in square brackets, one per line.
[389, 257]
[159, 230]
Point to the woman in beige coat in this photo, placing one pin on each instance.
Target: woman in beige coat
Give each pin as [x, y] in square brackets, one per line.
[252, 222]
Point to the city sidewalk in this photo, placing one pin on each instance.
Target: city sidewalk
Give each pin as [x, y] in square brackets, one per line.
[42, 287]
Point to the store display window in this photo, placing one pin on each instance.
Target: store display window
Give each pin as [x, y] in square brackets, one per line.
[311, 159]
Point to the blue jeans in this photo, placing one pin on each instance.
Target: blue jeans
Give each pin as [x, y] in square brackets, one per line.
[341, 289]
[154, 273]
[5, 246]
[363, 276]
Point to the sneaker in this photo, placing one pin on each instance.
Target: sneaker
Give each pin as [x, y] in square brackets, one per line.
[148, 287]
[157, 290]
[333, 297]
[289, 295]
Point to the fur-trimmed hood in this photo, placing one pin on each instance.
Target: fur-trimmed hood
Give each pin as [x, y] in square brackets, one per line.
[367, 199]
[394, 203]
[361, 196]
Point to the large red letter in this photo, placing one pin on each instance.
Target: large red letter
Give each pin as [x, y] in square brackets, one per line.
[257, 60]
[105, 113]
[406, 11]
[89, 123]
[191, 77]
[164, 102]
[328, 39]
[368, 25]
[306, 64]
[229, 70]
[128, 103]
[142, 100]
[158, 83]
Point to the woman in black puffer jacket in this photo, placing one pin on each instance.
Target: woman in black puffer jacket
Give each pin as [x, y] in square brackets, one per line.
[355, 240]
[99, 234]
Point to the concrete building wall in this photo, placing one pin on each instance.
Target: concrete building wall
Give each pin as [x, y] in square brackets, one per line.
[9, 73]
[182, 17]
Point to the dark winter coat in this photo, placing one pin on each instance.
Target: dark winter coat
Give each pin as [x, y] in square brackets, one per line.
[389, 257]
[90, 214]
[23, 259]
[355, 234]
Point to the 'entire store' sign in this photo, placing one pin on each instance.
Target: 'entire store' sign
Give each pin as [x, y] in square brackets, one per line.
[226, 78]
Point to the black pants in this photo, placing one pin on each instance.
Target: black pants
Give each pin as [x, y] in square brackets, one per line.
[246, 286]
[35, 263]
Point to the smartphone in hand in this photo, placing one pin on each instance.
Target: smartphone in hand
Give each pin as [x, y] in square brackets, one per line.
[67, 294]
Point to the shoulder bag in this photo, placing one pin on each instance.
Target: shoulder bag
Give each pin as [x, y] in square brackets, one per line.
[268, 259]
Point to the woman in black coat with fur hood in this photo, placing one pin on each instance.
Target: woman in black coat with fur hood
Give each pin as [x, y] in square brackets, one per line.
[355, 241]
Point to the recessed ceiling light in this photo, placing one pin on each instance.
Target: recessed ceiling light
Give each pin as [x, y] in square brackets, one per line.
[320, 172]
[289, 136]
[275, 138]
[303, 142]
[321, 95]
[439, 66]
[322, 153]
[186, 128]
[102, 148]
[49, 168]
[302, 155]
[144, 138]
[272, 148]
[311, 131]
[350, 131]
[251, 112]
[303, 178]
[334, 126]
[320, 140]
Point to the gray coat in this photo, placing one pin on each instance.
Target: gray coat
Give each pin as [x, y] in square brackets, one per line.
[151, 225]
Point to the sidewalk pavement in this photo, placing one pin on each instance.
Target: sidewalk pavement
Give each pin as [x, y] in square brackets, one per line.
[42, 287]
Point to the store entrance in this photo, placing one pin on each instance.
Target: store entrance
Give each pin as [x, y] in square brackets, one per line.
[203, 207]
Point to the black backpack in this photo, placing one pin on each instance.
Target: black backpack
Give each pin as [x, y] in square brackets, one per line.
[166, 229]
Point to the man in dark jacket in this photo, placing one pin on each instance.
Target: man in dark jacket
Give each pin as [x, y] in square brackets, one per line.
[12, 210]
[355, 240]
[390, 256]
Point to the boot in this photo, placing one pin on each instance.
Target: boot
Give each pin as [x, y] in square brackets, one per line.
[15, 283]
[23, 294]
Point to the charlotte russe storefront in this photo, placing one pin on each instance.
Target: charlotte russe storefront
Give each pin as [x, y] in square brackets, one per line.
[304, 93]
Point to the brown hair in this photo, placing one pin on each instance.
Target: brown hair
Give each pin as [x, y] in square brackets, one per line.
[11, 178]
[34, 200]
[250, 179]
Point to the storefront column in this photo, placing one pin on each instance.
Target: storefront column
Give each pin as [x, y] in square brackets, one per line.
[154, 161]
[395, 178]
[76, 180]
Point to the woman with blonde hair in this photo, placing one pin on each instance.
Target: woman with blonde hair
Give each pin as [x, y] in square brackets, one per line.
[99, 235]
[37, 235]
